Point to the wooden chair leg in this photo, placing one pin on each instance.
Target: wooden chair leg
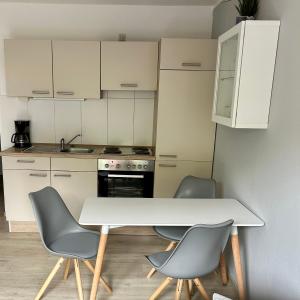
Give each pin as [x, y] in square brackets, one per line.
[178, 289]
[187, 290]
[201, 288]
[152, 271]
[78, 279]
[49, 278]
[223, 270]
[159, 290]
[190, 282]
[67, 268]
[92, 269]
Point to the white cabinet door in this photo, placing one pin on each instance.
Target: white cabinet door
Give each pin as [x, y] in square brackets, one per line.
[120, 121]
[168, 175]
[76, 69]
[184, 127]
[28, 68]
[188, 54]
[17, 185]
[129, 65]
[74, 188]
[244, 76]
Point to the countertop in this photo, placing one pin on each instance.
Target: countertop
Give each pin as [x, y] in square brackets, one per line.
[12, 151]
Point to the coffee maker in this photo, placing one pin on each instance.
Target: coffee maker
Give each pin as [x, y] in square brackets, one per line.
[21, 138]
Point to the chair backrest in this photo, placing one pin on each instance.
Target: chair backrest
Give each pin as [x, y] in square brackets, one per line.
[198, 253]
[194, 187]
[52, 216]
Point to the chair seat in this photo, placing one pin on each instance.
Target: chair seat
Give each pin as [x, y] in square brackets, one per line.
[172, 233]
[158, 259]
[82, 245]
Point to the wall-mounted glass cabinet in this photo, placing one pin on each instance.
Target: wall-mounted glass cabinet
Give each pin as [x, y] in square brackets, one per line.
[244, 76]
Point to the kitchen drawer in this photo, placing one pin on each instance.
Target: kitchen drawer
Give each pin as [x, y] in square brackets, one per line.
[168, 175]
[188, 54]
[74, 164]
[25, 163]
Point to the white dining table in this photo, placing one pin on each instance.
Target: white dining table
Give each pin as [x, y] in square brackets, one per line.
[115, 212]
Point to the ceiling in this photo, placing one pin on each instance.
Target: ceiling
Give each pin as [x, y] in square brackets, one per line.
[122, 2]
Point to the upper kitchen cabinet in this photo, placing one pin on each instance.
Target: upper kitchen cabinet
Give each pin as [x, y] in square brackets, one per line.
[76, 69]
[28, 67]
[129, 65]
[188, 54]
[244, 77]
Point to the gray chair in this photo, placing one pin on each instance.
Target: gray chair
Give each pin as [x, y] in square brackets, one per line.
[62, 236]
[196, 255]
[190, 187]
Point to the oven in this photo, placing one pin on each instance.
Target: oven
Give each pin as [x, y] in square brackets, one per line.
[125, 178]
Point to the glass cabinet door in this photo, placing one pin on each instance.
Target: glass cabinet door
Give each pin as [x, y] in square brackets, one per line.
[226, 76]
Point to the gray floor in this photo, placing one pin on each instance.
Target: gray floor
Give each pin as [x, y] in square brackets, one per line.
[24, 265]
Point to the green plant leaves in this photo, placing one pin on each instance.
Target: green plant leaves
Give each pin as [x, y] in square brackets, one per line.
[247, 8]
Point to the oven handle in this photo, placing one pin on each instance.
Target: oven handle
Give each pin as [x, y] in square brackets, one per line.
[124, 176]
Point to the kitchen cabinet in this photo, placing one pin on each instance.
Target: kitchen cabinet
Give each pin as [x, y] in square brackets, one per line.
[28, 68]
[129, 65]
[74, 188]
[76, 69]
[22, 175]
[188, 54]
[184, 127]
[244, 76]
[168, 175]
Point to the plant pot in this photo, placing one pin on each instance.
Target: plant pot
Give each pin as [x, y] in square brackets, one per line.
[243, 18]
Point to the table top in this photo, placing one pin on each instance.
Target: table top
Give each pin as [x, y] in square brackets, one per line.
[165, 212]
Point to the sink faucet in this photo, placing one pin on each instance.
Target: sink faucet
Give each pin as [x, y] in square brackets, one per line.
[63, 143]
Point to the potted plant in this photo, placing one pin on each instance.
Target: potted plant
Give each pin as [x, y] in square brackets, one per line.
[247, 10]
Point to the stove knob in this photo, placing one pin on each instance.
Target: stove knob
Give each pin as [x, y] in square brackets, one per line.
[145, 167]
[118, 166]
[106, 165]
[128, 166]
[139, 166]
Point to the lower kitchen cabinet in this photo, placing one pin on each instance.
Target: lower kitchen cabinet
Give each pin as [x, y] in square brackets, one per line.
[17, 185]
[74, 188]
[168, 175]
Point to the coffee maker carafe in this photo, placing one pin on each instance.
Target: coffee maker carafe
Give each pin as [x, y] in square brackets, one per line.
[21, 138]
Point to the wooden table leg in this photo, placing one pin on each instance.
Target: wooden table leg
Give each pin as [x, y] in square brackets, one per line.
[237, 263]
[99, 261]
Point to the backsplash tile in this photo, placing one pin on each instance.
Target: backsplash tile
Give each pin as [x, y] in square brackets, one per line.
[42, 124]
[143, 122]
[94, 122]
[67, 120]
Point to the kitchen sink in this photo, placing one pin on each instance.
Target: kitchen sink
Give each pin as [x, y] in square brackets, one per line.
[56, 149]
[78, 150]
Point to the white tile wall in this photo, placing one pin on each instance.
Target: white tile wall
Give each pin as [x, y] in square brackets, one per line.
[94, 122]
[130, 121]
[143, 121]
[67, 120]
[41, 114]
[120, 121]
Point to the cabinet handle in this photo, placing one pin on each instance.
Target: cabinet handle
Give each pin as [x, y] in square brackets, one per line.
[226, 78]
[62, 175]
[167, 165]
[191, 64]
[38, 174]
[40, 92]
[65, 93]
[26, 161]
[168, 155]
[128, 84]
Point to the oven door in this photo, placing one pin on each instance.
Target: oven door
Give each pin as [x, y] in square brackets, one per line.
[125, 184]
